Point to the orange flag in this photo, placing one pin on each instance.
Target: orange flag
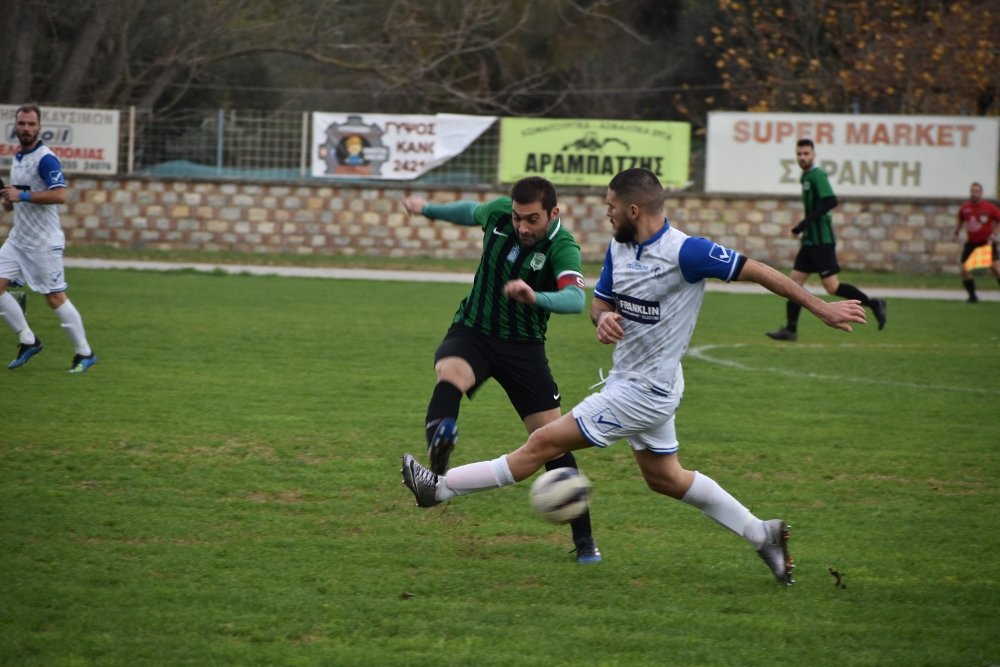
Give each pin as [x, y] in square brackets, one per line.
[981, 258]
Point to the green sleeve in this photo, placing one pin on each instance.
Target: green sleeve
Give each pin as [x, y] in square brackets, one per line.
[821, 182]
[567, 269]
[462, 212]
[570, 299]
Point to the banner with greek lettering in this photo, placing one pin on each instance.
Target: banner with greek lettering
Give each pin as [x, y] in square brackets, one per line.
[914, 157]
[590, 152]
[383, 146]
[84, 140]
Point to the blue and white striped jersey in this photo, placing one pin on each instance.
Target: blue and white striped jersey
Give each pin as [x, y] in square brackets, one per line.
[37, 226]
[658, 287]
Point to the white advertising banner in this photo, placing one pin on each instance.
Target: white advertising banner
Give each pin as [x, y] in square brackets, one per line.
[913, 157]
[84, 140]
[386, 146]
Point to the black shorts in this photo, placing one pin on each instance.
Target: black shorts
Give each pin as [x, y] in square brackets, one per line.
[969, 247]
[521, 368]
[821, 259]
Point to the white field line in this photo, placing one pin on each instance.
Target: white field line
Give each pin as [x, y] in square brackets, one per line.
[706, 353]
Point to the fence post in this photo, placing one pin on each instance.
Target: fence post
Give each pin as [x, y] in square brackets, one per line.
[131, 140]
[220, 123]
[304, 161]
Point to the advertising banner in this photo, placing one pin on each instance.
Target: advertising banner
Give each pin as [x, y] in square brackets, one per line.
[389, 146]
[84, 140]
[591, 152]
[914, 157]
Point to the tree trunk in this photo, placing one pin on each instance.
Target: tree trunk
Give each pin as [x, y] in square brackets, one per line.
[66, 89]
[26, 20]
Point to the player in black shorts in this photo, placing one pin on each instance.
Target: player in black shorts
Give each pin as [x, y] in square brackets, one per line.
[818, 252]
[530, 267]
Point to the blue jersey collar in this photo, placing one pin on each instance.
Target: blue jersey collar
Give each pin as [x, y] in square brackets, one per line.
[21, 154]
[652, 239]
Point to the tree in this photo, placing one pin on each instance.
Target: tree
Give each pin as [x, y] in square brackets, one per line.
[467, 55]
[926, 56]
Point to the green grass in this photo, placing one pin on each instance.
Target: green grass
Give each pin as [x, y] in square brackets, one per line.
[223, 489]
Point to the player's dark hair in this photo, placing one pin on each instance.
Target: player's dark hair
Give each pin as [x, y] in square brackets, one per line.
[535, 188]
[26, 108]
[640, 187]
[805, 142]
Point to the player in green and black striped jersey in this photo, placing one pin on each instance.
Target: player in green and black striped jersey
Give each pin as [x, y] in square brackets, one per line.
[818, 252]
[530, 267]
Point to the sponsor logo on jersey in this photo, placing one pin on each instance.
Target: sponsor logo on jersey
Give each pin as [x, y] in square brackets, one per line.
[720, 253]
[638, 310]
[513, 254]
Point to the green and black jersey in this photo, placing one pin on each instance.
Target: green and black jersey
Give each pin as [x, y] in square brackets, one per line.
[816, 186]
[547, 267]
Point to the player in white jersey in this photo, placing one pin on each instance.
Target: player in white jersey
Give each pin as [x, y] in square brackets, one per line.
[645, 303]
[33, 251]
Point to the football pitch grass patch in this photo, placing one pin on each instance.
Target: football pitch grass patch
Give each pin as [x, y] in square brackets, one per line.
[223, 489]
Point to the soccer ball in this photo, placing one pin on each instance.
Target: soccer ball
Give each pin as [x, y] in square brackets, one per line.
[561, 494]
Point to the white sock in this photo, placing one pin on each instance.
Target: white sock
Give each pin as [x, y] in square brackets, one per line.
[474, 477]
[716, 503]
[72, 324]
[12, 314]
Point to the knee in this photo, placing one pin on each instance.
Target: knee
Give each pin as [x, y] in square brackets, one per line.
[541, 448]
[56, 299]
[456, 372]
[666, 486]
[671, 483]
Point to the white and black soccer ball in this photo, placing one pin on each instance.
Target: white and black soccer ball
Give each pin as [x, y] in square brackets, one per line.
[561, 494]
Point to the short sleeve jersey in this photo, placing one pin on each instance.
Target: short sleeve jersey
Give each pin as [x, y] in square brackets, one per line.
[36, 226]
[658, 287]
[548, 266]
[979, 220]
[816, 186]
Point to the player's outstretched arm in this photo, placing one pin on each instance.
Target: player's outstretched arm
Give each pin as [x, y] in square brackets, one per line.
[414, 205]
[460, 212]
[836, 314]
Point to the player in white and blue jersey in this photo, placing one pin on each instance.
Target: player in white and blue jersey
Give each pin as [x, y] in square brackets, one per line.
[33, 252]
[646, 303]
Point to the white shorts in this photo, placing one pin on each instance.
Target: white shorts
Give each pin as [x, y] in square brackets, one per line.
[41, 270]
[623, 409]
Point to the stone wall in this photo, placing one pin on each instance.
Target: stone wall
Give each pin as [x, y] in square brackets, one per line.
[320, 219]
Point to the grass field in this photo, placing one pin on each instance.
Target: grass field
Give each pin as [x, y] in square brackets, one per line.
[223, 489]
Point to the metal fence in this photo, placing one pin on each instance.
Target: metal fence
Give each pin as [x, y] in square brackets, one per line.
[261, 145]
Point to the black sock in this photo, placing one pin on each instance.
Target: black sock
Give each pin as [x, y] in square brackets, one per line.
[792, 311]
[445, 402]
[846, 291]
[580, 525]
[970, 287]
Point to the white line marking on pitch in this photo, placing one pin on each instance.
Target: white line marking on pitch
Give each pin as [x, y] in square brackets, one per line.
[701, 353]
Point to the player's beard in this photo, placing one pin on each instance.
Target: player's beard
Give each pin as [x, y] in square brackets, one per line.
[28, 139]
[624, 230]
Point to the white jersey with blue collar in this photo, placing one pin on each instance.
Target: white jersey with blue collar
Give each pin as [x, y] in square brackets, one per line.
[658, 287]
[37, 226]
